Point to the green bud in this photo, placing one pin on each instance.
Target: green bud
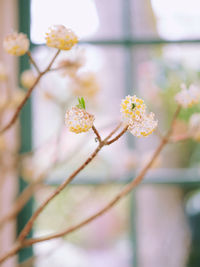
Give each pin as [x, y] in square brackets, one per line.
[133, 106]
[81, 102]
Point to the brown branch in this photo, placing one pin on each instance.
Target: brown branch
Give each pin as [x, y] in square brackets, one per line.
[10, 253]
[113, 132]
[16, 114]
[128, 188]
[97, 133]
[52, 61]
[117, 137]
[33, 62]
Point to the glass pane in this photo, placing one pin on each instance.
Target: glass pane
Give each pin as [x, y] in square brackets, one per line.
[173, 19]
[104, 242]
[88, 19]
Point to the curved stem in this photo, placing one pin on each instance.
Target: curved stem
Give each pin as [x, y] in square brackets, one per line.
[33, 62]
[117, 137]
[96, 133]
[16, 114]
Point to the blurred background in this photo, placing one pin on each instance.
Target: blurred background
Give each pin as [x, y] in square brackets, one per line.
[143, 47]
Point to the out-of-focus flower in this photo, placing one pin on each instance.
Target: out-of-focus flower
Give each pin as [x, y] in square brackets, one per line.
[3, 72]
[144, 126]
[194, 127]
[60, 37]
[78, 120]
[188, 97]
[85, 84]
[16, 44]
[49, 96]
[28, 168]
[69, 67]
[74, 61]
[18, 96]
[132, 108]
[28, 78]
[14, 100]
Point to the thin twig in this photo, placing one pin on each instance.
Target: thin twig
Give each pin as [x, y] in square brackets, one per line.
[96, 133]
[117, 137]
[113, 132]
[33, 62]
[16, 114]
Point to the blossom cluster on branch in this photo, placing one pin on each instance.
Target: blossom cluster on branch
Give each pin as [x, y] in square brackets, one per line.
[134, 118]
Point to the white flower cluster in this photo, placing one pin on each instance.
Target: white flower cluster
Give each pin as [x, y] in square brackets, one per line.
[16, 44]
[78, 120]
[188, 97]
[133, 111]
[28, 78]
[85, 84]
[61, 38]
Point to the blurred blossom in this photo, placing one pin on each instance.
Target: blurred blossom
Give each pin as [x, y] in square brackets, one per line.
[17, 98]
[61, 38]
[85, 84]
[28, 78]
[194, 126]
[31, 169]
[188, 97]
[16, 44]
[49, 96]
[3, 72]
[73, 62]
[14, 101]
[28, 169]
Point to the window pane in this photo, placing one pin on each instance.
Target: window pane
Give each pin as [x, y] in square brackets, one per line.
[104, 242]
[173, 19]
[88, 19]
